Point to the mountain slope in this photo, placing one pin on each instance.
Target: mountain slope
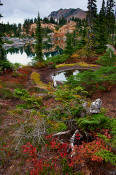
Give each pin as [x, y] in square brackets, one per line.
[68, 13]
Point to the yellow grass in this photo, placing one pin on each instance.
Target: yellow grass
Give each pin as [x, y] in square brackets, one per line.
[82, 64]
[36, 78]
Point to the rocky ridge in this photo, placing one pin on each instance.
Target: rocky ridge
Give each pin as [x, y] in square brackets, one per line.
[68, 14]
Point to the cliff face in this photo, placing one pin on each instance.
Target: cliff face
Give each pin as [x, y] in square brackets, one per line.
[58, 37]
[33, 27]
[68, 13]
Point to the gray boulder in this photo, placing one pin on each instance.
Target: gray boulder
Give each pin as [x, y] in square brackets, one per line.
[96, 106]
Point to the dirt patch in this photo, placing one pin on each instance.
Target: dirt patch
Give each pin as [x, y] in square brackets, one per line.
[109, 100]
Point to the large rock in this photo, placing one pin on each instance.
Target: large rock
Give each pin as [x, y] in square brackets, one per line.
[96, 106]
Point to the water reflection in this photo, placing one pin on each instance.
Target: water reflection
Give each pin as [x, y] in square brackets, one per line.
[62, 76]
[19, 58]
[24, 55]
[29, 50]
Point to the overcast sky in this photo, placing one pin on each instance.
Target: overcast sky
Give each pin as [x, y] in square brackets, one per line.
[16, 11]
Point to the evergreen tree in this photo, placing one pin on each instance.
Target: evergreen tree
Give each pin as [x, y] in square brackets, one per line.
[38, 47]
[2, 51]
[19, 29]
[91, 18]
[101, 37]
[69, 44]
[103, 10]
[62, 21]
[46, 20]
[35, 20]
[92, 11]
[52, 20]
[110, 16]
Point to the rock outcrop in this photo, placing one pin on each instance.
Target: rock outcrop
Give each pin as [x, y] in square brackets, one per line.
[68, 14]
[94, 108]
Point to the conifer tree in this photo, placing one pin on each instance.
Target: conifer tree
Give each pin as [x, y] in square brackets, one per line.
[91, 18]
[69, 44]
[101, 37]
[2, 51]
[103, 10]
[38, 47]
[92, 11]
[110, 16]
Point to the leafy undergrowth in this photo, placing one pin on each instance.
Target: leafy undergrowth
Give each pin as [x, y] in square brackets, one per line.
[61, 161]
[32, 114]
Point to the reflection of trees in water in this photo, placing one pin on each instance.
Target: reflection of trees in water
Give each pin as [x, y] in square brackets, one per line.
[13, 50]
[47, 46]
[57, 52]
[21, 50]
[27, 49]
[68, 73]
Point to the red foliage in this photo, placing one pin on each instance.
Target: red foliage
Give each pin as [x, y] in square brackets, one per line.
[60, 150]
[83, 154]
[87, 151]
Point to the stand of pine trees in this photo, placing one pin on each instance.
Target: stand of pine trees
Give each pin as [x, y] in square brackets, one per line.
[101, 27]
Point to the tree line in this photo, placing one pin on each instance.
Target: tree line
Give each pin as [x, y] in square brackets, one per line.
[96, 31]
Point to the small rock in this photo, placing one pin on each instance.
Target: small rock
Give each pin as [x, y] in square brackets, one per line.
[96, 106]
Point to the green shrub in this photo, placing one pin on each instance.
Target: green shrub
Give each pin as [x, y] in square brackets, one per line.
[5, 93]
[57, 59]
[66, 94]
[16, 66]
[5, 64]
[80, 44]
[113, 132]
[30, 101]
[96, 121]
[56, 127]
[21, 93]
[89, 79]
[107, 156]
[108, 59]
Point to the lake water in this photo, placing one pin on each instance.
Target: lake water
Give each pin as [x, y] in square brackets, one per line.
[19, 58]
[24, 55]
[62, 76]
[21, 55]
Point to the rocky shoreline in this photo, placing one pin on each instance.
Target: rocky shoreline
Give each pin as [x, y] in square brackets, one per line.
[17, 42]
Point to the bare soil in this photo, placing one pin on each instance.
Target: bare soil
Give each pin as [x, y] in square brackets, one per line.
[109, 100]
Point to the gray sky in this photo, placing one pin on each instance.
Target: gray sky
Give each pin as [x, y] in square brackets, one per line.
[16, 11]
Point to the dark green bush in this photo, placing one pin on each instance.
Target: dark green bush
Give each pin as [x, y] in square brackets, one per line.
[57, 59]
[89, 79]
[4, 64]
[5, 93]
[108, 59]
[107, 156]
[30, 100]
[96, 121]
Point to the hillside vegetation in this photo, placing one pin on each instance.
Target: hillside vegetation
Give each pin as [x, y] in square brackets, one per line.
[69, 128]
